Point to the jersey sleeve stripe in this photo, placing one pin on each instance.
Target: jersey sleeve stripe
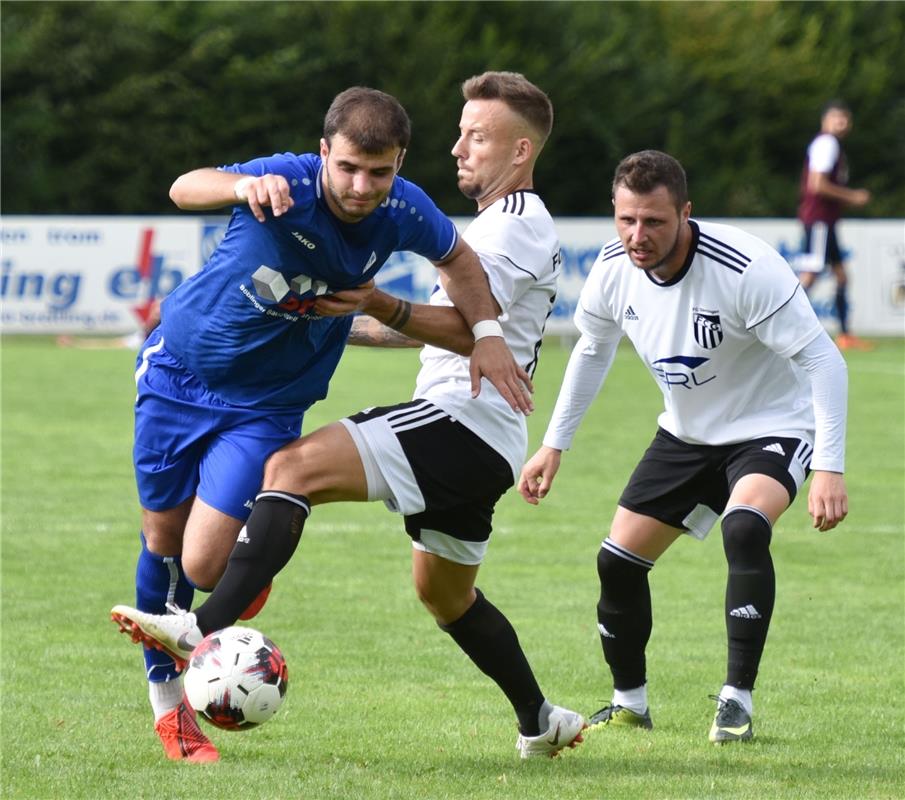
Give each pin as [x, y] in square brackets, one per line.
[777, 309]
[514, 203]
[718, 243]
[613, 247]
[452, 246]
[591, 313]
[522, 269]
[720, 260]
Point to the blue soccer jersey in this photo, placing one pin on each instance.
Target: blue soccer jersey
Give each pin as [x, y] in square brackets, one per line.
[244, 326]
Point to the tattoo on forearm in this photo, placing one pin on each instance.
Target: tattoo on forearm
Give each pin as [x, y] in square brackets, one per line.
[368, 332]
[400, 315]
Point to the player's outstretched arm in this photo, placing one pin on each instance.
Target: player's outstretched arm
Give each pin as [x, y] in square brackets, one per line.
[538, 473]
[368, 332]
[394, 322]
[466, 284]
[827, 499]
[209, 188]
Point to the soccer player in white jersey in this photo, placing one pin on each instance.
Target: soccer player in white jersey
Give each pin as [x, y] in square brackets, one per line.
[755, 397]
[446, 457]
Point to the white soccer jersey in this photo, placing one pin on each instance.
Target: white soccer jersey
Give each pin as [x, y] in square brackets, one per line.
[717, 337]
[517, 243]
[823, 153]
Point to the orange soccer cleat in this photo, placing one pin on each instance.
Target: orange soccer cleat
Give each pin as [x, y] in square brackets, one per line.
[846, 341]
[182, 738]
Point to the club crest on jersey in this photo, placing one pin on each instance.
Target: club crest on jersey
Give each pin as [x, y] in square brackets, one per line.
[708, 331]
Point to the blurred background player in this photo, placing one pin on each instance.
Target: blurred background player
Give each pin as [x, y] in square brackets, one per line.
[747, 374]
[445, 458]
[823, 196]
[243, 351]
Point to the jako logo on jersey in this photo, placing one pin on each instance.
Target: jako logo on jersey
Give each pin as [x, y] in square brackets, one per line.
[671, 376]
[630, 314]
[708, 332]
[310, 245]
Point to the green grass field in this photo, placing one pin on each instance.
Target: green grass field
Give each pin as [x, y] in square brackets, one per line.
[381, 704]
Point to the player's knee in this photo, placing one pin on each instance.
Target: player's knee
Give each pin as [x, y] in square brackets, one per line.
[444, 605]
[608, 566]
[163, 542]
[202, 571]
[164, 531]
[746, 536]
[615, 570]
[285, 469]
[427, 594]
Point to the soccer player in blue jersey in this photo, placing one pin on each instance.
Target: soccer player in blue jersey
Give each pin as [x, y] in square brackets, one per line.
[243, 349]
[443, 459]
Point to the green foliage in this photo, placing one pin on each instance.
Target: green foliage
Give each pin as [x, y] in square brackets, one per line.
[382, 705]
[105, 103]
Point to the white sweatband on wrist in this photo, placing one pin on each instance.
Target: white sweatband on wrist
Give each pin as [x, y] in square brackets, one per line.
[240, 189]
[487, 327]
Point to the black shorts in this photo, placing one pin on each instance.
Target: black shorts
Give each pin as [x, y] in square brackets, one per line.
[822, 244]
[674, 478]
[459, 476]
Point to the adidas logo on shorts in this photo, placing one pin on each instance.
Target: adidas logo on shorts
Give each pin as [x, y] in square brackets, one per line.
[776, 447]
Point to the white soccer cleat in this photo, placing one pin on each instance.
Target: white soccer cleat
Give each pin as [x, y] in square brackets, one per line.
[564, 731]
[176, 633]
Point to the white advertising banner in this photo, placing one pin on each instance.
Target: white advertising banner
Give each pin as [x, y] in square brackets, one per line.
[98, 274]
[91, 274]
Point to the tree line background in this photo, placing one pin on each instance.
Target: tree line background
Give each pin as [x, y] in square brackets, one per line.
[105, 103]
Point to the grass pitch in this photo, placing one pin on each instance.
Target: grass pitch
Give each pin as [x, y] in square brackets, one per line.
[383, 705]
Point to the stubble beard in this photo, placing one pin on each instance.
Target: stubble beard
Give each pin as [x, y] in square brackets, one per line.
[654, 267]
[353, 213]
[472, 191]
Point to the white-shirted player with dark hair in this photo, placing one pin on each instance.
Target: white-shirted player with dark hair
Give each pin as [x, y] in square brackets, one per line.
[446, 457]
[755, 396]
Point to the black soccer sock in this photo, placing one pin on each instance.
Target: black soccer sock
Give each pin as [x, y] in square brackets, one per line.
[750, 592]
[490, 641]
[263, 548]
[624, 617]
[842, 307]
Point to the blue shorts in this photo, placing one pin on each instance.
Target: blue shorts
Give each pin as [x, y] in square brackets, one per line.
[189, 441]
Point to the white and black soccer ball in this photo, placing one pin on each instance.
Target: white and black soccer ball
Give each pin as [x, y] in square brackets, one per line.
[236, 678]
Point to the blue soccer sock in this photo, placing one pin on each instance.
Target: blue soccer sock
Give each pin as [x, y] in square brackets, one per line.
[160, 580]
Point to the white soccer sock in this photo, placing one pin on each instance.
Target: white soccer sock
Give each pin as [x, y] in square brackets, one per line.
[165, 696]
[741, 696]
[632, 699]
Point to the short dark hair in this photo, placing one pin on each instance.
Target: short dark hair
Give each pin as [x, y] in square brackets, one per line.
[835, 105]
[645, 171]
[517, 92]
[372, 120]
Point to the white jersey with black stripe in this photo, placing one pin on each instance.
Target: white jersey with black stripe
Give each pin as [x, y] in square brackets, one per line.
[717, 337]
[516, 240]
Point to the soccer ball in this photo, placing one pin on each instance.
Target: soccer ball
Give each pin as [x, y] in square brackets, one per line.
[236, 678]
